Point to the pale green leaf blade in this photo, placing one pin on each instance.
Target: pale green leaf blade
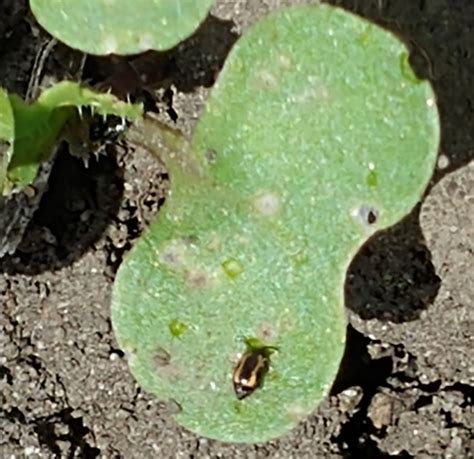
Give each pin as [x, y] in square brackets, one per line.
[120, 26]
[314, 137]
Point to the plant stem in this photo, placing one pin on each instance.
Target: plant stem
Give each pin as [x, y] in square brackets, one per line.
[168, 144]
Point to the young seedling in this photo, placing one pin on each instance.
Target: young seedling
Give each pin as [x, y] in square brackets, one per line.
[28, 132]
[120, 26]
[316, 135]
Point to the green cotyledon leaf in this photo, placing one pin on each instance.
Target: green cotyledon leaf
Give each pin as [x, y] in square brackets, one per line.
[120, 26]
[314, 137]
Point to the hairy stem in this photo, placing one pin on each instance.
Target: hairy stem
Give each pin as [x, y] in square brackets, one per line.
[168, 144]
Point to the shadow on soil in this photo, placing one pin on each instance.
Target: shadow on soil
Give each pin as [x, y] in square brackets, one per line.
[379, 368]
[392, 277]
[74, 432]
[58, 428]
[356, 438]
[193, 63]
[73, 214]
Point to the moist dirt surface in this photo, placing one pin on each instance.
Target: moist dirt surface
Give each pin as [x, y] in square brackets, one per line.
[406, 384]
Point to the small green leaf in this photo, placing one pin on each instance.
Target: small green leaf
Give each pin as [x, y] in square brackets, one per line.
[38, 126]
[319, 139]
[120, 26]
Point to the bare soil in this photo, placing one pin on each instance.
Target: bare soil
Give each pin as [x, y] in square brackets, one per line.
[406, 385]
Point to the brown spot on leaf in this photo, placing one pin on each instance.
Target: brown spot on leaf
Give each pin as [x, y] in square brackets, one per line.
[172, 254]
[211, 155]
[265, 79]
[266, 332]
[171, 371]
[197, 279]
[162, 361]
[170, 257]
[161, 357]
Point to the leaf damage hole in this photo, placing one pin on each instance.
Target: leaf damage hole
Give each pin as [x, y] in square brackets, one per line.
[367, 215]
[267, 203]
[371, 217]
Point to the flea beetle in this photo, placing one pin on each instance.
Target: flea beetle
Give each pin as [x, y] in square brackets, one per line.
[250, 370]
